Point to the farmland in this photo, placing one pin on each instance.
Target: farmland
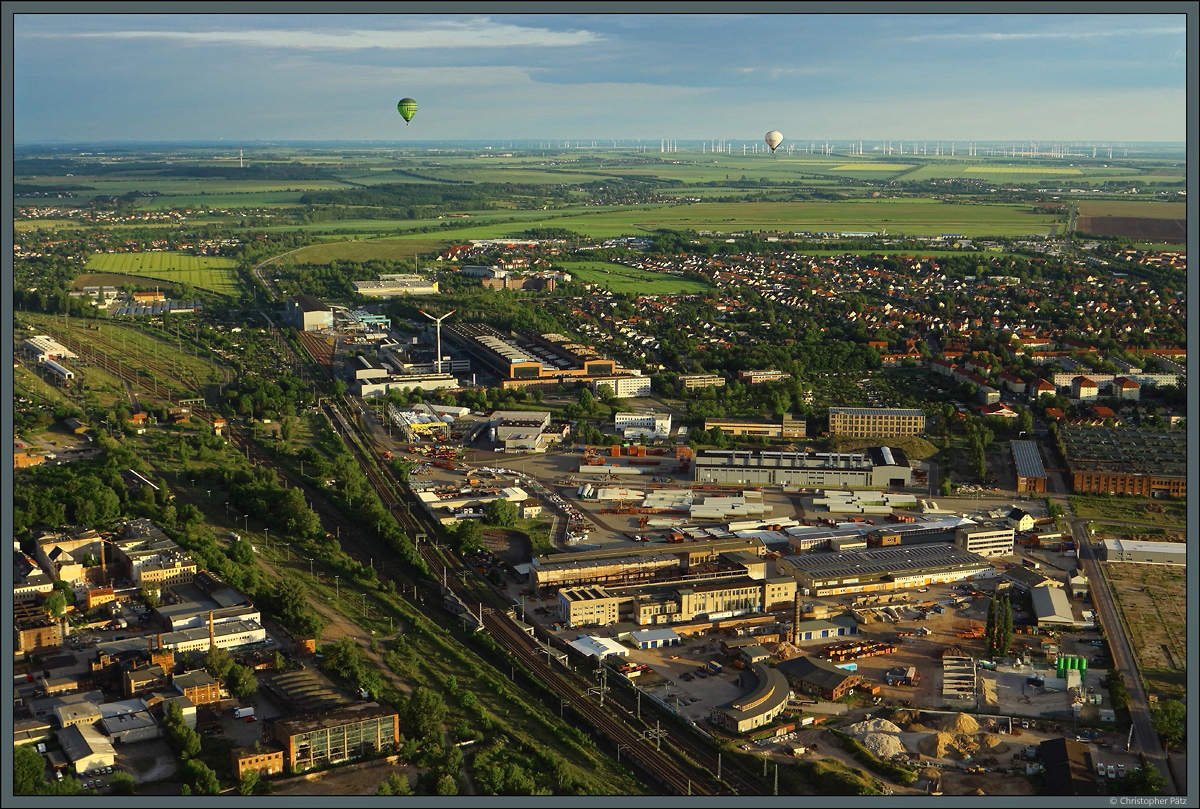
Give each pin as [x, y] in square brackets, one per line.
[1144, 210]
[904, 217]
[621, 279]
[406, 249]
[203, 272]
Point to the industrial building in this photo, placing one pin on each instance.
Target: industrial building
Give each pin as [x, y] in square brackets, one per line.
[229, 635]
[1051, 606]
[868, 422]
[448, 507]
[1126, 460]
[1027, 463]
[357, 731]
[809, 675]
[1146, 553]
[307, 313]
[679, 602]
[985, 540]
[43, 347]
[368, 388]
[765, 697]
[787, 427]
[623, 566]
[874, 468]
[86, 748]
[397, 285]
[523, 360]
[636, 425]
[880, 569]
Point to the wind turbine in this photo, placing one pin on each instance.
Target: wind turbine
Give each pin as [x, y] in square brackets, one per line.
[438, 321]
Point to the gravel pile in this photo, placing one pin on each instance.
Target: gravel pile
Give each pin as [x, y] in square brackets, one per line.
[883, 745]
[872, 726]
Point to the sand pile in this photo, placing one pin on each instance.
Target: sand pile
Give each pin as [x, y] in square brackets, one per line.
[872, 726]
[905, 717]
[936, 745]
[960, 724]
[993, 743]
[883, 745]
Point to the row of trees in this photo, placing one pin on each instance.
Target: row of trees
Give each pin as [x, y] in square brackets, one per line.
[998, 631]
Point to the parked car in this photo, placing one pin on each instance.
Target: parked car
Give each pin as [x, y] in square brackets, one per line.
[1112, 771]
[1121, 770]
[1100, 768]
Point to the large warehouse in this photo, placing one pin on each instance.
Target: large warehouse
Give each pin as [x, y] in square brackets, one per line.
[874, 468]
[1126, 460]
[307, 313]
[1146, 553]
[880, 569]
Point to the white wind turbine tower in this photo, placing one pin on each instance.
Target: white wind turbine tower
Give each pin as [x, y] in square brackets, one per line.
[438, 321]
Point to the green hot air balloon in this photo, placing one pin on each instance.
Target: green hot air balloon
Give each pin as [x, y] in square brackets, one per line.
[407, 108]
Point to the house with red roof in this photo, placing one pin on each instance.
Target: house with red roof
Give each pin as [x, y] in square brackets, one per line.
[1125, 388]
[1084, 389]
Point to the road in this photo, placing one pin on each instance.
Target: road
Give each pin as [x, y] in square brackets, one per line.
[1145, 740]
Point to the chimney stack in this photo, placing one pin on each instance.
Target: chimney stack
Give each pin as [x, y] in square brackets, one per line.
[212, 636]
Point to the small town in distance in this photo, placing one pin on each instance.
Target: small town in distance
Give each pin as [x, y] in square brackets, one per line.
[424, 461]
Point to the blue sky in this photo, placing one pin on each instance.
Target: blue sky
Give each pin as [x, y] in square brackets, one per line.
[148, 77]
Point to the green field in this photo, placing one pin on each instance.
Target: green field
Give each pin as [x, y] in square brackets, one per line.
[390, 250]
[622, 279]
[203, 272]
[896, 217]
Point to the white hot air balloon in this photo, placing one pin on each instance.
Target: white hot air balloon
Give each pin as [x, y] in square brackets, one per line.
[774, 138]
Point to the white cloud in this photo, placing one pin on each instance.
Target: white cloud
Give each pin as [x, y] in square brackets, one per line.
[472, 33]
[998, 36]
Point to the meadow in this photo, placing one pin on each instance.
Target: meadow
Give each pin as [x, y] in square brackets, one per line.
[621, 279]
[203, 272]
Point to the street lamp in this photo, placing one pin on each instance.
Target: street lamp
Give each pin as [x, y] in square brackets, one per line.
[337, 586]
[246, 517]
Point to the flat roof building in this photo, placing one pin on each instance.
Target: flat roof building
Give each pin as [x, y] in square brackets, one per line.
[787, 427]
[880, 569]
[874, 468]
[866, 422]
[397, 285]
[986, 540]
[1146, 553]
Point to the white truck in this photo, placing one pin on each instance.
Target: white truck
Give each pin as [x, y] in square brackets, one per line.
[244, 713]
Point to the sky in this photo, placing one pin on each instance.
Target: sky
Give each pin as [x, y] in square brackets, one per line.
[494, 76]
